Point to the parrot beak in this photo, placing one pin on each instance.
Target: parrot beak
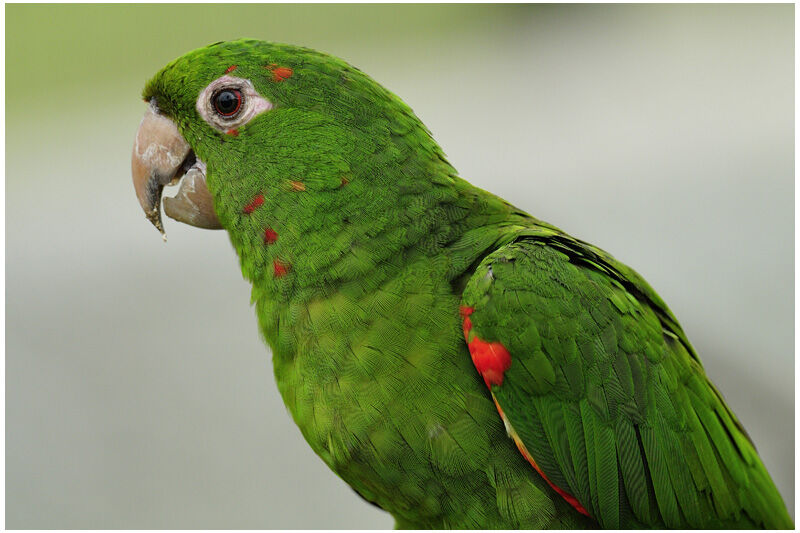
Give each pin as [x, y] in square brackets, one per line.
[161, 157]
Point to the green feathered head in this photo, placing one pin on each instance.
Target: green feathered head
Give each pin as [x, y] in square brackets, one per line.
[245, 119]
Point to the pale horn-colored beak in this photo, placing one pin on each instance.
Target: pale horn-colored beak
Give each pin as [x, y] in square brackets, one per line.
[160, 157]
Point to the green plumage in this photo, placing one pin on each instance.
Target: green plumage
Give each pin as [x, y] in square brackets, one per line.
[358, 296]
[660, 446]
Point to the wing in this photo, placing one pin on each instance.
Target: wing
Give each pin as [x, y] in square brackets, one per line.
[604, 395]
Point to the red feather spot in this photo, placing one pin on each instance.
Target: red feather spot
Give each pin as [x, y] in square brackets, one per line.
[230, 69]
[270, 236]
[281, 73]
[491, 359]
[233, 133]
[345, 181]
[279, 268]
[257, 202]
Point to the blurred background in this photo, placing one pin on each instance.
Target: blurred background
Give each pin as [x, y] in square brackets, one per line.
[138, 392]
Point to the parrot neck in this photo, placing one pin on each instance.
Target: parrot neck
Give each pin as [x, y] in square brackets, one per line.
[302, 241]
[344, 235]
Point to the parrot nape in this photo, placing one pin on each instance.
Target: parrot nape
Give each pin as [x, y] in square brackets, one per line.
[458, 362]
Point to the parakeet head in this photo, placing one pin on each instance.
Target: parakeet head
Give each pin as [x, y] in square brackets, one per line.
[248, 120]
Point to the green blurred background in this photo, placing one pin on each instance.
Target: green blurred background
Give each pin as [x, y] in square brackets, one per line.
[138, 393]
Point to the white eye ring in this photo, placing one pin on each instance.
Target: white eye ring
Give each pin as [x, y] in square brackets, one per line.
[252, 104]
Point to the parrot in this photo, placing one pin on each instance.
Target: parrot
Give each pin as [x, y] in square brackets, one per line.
[455, 360]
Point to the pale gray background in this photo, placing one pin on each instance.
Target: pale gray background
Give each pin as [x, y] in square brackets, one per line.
[138, 392]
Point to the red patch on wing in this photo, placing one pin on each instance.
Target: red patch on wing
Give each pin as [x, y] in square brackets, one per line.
[230, 69]
[233, 132]
[270, 236]
[257, 202]
[279, 269]
[490, 358]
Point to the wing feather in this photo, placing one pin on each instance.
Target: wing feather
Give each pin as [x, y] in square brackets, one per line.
[632, 471]
[657, 463]
[607, 395]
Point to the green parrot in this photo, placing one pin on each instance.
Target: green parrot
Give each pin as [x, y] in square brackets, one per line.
[458, 362]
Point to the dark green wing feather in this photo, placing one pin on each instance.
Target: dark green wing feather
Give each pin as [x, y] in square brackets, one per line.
[607, 394]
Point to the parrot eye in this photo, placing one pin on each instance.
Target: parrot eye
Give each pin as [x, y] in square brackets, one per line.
[227, 102]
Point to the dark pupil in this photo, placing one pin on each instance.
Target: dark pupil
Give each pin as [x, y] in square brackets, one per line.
[227, 101]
